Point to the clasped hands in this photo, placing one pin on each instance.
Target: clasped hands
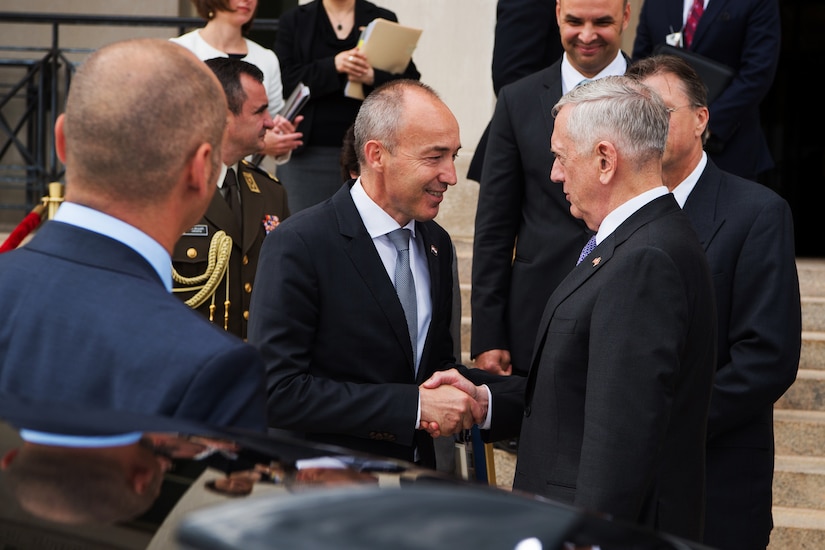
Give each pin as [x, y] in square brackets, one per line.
[283, 137]
[354, 64]
[451, 403]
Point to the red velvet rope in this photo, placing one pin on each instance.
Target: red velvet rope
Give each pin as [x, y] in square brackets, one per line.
[29, 223]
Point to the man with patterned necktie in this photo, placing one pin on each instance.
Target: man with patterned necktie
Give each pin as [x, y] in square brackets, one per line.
[746, 36]
[614, 413]
[350, 323]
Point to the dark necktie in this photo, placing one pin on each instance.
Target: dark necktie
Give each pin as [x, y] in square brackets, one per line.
[588, 248]
[230, 184]
[404, 284]
[695, 13]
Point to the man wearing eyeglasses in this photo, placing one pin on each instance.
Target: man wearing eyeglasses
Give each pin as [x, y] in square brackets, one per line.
[747, 233]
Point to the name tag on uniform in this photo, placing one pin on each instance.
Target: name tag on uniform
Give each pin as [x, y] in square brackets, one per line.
[199, 230]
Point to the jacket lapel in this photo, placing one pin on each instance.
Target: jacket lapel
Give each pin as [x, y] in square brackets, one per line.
[253, 208]
[597, 259]
[712, 11]
[550, 94]
[434, 266]
[700, 205]
[368, 264]
[220, 215]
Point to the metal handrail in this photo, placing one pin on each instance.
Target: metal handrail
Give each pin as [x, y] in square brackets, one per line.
[119, 20]
[42, 91]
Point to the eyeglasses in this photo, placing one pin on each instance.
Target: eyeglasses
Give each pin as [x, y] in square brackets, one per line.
[674, 109]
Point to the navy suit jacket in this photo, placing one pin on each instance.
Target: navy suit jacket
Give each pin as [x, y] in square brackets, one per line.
[617, 396]
[744, 35]
[333, 335]
[90, 322]
[747, 233]
[518, 206]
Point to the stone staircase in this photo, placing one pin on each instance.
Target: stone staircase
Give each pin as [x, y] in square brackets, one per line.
[799, 479]
[799, 425]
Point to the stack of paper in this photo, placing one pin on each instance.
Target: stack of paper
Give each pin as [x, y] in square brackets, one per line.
[388, 46]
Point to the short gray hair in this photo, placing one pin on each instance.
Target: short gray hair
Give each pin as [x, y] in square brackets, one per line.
[620, 110]
[380, 115]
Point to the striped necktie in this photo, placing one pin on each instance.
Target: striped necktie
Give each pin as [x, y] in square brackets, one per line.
[696, 11]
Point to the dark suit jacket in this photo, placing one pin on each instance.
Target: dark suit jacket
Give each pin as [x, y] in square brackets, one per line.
[294, 48]
[90, 322]
[334, 337]
[744, 35]
[519, 206]
[747, 233]
[617, 397]
[261, 196]
[526, 40]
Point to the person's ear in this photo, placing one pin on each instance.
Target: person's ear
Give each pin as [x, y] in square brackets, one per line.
[201, 178]
[702, 118]
[606, 155]
[141, 479]
[375, 155]
[60, 137]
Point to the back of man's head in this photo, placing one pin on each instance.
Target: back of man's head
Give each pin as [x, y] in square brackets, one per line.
[137, 111]
[77, 486]
[621, 110]
[229, 71]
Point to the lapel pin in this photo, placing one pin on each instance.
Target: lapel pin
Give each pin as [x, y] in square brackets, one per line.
[596, 261]
[434, 250]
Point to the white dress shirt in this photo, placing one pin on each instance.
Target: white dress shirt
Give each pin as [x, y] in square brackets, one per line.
[570, 77]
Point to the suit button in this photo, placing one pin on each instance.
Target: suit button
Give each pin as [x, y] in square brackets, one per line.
[527, 410]
[246, 315]
[191, 253]
[248, 287]
[245, 259]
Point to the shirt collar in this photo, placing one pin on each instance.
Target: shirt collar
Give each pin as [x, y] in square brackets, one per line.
[624, 211]
[96, 221]
[682, 191]
[570, 77]
[222, 175]
[375, 219]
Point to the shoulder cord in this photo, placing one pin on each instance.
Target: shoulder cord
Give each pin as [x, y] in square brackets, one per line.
[220, 248]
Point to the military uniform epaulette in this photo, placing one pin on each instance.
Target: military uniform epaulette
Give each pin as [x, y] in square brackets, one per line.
[249, 166]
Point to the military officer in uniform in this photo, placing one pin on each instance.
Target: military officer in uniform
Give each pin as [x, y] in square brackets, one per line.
[215, 260]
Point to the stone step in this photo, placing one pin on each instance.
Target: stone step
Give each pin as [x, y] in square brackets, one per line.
[813, 313]
[799, 433]
[812, 355]
[797, 529]
[799, 482]
[811, 276]
[806, 393]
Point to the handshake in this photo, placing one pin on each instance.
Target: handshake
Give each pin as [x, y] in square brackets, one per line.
[451, 403]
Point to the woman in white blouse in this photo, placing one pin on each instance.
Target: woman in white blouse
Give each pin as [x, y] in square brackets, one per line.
[223, 36]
